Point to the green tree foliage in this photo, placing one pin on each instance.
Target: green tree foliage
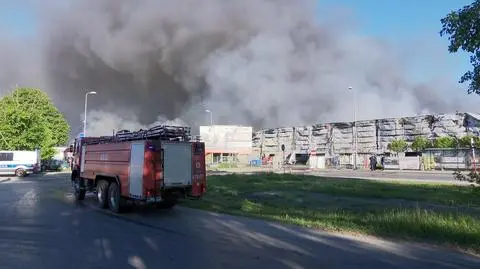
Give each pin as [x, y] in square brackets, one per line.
[420, 144]
[445, 142]
[30, 120]
[466, 141]
[398, 145]
[463, 30]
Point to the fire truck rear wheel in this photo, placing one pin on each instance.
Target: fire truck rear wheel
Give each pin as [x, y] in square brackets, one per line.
[115, 200]
[102, 193]
[79, 192]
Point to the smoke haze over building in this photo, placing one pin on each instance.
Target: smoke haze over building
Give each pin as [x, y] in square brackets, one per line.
[265, 63]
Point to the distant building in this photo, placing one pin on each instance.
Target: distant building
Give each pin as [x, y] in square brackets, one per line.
[59, 153]
[227, 143]
[336, 140]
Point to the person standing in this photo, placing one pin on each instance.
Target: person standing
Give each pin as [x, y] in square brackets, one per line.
[372, 163]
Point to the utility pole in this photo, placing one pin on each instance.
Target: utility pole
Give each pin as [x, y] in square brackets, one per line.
[211, 116]
[85, 113]
[472, 142]
[355, 151]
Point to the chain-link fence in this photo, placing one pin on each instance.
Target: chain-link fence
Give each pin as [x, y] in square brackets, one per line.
[443, 159]
[429, 159]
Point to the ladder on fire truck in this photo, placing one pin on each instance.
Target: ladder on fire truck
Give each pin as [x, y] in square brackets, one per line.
[160, 132]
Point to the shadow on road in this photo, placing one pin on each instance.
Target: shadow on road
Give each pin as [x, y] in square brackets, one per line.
[5, 179]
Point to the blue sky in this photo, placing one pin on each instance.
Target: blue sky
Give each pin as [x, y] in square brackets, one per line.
[17, 17]
[402, 23]
[407, 22]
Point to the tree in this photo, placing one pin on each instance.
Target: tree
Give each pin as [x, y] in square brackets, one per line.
[463, 30]
[466, 141]
[420, 144]
[29, 120]
[445, 142]
[398, 145]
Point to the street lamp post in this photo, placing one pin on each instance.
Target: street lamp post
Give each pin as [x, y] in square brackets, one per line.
[472, 143]
[85, 113]
[355, 152]
[456, 146]
[211, 116]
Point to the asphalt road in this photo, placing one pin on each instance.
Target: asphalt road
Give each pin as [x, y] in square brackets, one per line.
[42, 228]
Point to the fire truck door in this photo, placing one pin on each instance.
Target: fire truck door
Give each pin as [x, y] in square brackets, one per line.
[82, 163]
[137, 158]
[177, 164]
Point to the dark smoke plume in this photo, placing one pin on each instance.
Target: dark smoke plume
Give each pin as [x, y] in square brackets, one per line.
[266, 63]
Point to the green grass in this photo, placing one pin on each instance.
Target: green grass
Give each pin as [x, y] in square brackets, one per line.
[226, 165]
[352, 205]
[439, 193]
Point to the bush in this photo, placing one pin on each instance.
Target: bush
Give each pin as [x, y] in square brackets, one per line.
[420, 144]
[445, 142]
[472, 176]
[398, 145]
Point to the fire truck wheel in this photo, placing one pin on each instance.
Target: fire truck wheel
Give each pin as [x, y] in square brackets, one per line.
[115, 201]
[102, 193]
[78, 191]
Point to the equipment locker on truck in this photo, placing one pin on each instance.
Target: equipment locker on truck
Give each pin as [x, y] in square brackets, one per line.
[155, 166]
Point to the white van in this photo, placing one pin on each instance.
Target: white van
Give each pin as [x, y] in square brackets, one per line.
[19, 163]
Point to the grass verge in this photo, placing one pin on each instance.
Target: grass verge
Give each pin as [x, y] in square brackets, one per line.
[444, 214]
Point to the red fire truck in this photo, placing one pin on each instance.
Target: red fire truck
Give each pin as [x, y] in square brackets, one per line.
[156, 166]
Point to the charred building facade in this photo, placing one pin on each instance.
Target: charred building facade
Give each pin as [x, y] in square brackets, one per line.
[336, 140]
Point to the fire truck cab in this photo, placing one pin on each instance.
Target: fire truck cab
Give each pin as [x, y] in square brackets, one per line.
[156, 166]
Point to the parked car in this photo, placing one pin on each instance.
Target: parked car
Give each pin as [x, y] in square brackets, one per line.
[52, 165]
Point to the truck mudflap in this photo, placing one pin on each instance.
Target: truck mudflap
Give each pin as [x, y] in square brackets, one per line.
[151, 199]
[154, 200]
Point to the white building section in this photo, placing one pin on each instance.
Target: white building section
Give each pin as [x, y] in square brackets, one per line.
[227, 139]
[59, 153]
[137, 157]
